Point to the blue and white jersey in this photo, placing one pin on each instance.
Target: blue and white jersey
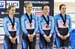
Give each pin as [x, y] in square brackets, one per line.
[29, 24]
[63, 25]
[8, 27]
[43, 25]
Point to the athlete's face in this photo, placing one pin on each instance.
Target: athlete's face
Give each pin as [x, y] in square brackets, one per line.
[12, 11]
[46, 9]
[63, 9]
[29, 8]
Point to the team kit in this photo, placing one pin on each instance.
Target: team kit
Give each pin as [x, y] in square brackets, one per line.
[30, 24]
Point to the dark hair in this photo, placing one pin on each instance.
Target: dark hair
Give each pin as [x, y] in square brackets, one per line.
[43, 6]
[60, 6]
[25, 5]
[10, 7]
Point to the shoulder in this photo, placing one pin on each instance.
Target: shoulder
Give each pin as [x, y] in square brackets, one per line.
[57, 16]
[41, 18]
[51, 17]
[17, 19]
[5, 18]
[68, 16]
[34, 16]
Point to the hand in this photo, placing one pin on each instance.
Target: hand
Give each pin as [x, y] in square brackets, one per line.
[62, 37]
[65, 37]
[47, 39]
[13, 40]
[30, 37]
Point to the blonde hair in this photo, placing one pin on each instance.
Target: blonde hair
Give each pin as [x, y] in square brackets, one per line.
[25, 5]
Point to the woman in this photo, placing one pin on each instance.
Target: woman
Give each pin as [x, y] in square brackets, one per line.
[29, 27]
[46, 26]
[63, 27]
[11, 29]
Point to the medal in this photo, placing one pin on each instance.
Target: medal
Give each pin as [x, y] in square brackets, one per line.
[12, 27]
[47, 26]
[13, 23]
[64, 24]
[29, 18]
[47, 21]
[64, 20]
[30, 25]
